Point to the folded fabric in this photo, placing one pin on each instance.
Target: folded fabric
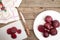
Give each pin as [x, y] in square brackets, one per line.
[8, 12]
[11, 3]
[11, 14]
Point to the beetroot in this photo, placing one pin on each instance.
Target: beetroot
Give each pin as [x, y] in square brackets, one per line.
[55, 23]
[14, 36]
[48, 19]
[41, 28]
[46, 34]
[47, 30]
[53, 31]
[19, 31]
[47, 25]
[9, 31]
[12, 32]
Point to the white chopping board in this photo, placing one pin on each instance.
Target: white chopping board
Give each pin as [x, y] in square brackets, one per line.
[18, 25]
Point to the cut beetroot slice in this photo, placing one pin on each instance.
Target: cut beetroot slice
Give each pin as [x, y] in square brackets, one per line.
[41, 28]
[55, 23]
[47, 30]
[9, 31]
[53, 31]
[50, 23]
[19, 31]
[47, 25]
[13, 36]
[13, 30]
[48, 19]
[45, 34]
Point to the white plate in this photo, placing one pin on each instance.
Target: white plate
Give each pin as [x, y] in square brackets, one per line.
[40, 20]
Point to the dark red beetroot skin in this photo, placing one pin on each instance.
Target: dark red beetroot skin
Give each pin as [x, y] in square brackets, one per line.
[19, 31]
[47, 30]
[9, 31]
[13, 36]
[55, 23]
[41, 28]
[47, 25]
[46, 34]
[13, 30]
[48, 19]
[53, 31]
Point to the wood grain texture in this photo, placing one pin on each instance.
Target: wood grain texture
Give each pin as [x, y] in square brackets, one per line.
[40, 3]
[31, 13]
[33, 37]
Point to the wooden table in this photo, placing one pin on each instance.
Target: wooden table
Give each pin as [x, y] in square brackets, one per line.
[31, 8]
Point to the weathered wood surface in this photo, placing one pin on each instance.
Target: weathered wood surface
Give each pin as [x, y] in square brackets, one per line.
[31, 13]
[40, 3]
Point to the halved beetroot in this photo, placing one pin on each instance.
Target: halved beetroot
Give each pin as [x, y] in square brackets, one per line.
[13, 30]
[9, 31]
[53, 31]
[47, 25]
[48, 19]
[46, 34]
[41, 28]
[19, 31]
[13, 36]
[55, 23]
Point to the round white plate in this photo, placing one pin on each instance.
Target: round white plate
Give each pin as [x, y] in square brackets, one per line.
[40, 20]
